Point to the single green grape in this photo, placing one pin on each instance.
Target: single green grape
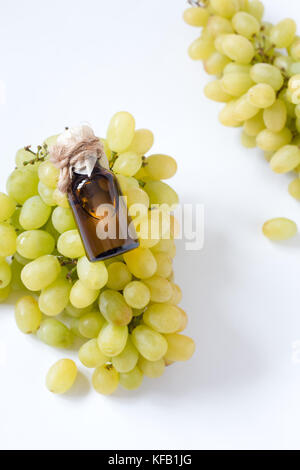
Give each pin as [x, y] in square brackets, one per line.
[90, 355]
[54, 333]
[105, 379]
[61, 376]
[32, 244]
[55, 297]
[28, 315]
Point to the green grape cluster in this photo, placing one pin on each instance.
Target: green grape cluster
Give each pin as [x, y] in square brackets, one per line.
[257, 76]
[124, 311]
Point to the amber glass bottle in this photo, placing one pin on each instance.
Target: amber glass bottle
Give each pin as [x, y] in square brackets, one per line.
[101, 214]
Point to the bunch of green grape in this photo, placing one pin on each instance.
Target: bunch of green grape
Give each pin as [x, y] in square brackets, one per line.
[125, 310]
[257, 67]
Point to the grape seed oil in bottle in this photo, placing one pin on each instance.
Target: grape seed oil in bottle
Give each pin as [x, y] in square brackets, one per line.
[98, 207]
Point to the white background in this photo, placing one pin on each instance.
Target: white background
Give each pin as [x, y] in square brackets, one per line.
[68, 61]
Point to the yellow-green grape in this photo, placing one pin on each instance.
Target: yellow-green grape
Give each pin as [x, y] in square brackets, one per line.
[137, 196]
[216, 63]
[217, 25]
[60, 199]
[40, 273]
[5, 274]
[63, 220]
[238, 48]
[34, 213]
[127, 359]
[271, 141]
[294, 188]
[233, 67]
[90, 355]
[294, 49]
[152, 369]
[184, 320]
[70, 245]
[266, 73]
[201, 48]
[120, 131]
[161, 193]
[55, 333]
[137, 294]
[131, 380]
[245, 24]
[255, 8]
[90, 324]
[54, 298]
[23, 156]
[92, 275]
[46, 194]
[176, 294]
[150, 344]
[48, 174]
[243, 109]
[226, 8]
[255, 125]
[236, 84]
[227, 115]
[164, 318]
[248, 141]
[113, 307]
[50, 140]
[35, 243]
[118, 276]
[7, 207]
[283, 34]
[196, 16]
[81, 296]
[141, 262]
[261, 95]
[160, 289]
[180, 347]
[164, 264]
[294, 88]
[28, 315]
[214, 91]
[160, 167]
[279, 229]
[165, 246]
[112, 339]
[127, 164]
[105, 379]
[61, 376]
[127, 183]
[275, 117]
[142, 142]
[285, 159]
[22, 184]
[4, 293]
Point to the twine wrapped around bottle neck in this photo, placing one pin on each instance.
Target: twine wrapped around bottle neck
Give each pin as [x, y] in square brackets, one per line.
[77, 149]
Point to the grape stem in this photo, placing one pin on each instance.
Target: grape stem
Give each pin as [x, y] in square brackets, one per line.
[114, 157]
[40, 155]
[64, 261]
